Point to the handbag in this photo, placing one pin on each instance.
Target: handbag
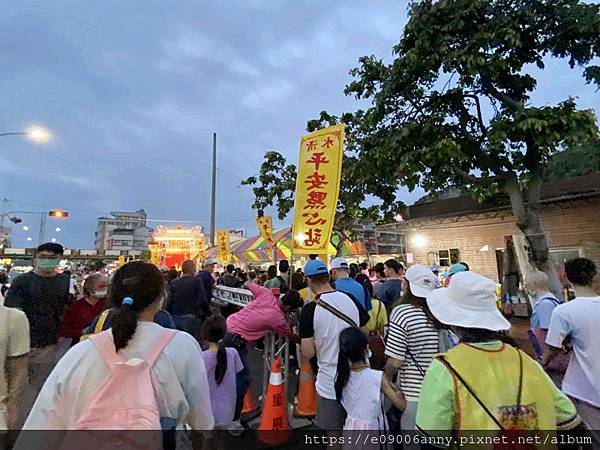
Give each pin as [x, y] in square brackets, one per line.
[377, 347]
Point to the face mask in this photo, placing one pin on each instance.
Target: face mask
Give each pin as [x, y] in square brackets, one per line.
[47, 264]
[101, 294]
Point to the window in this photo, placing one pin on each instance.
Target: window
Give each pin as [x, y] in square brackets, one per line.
[445, 258]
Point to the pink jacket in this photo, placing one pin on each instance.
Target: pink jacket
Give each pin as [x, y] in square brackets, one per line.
[262, 315]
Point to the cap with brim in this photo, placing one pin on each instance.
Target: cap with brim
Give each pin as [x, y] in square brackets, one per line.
[208, 262]
[339, 263]
[314, 268]
[421, 280]
[469, 302]
[456, 268]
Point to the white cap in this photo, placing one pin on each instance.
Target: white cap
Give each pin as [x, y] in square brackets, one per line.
[469, 302]
[339, 263]
[208, 262]
[422, 280]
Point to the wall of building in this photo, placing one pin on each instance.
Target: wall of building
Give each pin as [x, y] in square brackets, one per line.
[570, 227]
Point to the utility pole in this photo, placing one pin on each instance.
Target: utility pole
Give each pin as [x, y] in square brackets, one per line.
[214, 192]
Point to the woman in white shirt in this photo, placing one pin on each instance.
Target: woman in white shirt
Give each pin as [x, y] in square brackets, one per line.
[182, 393]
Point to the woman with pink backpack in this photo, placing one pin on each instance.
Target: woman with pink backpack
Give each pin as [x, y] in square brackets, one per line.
[136, 375]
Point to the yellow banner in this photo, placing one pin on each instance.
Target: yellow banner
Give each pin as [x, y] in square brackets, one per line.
[201, 247]
[317, 189]
[265, 227]
[223, 246]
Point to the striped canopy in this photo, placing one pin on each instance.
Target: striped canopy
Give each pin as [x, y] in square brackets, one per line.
[256, 248]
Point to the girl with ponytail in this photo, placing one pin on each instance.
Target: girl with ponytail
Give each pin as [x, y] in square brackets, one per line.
[222, 365]
[359, 388]
[173, 357]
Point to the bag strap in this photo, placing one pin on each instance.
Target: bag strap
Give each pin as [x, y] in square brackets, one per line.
[485, 408]
[101, 320]
[105, 344]
[336, 312]
[159, 345]
[419, 368]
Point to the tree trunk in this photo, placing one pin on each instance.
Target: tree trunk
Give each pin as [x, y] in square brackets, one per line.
[528, 221]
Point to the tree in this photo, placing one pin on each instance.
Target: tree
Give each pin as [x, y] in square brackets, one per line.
[454, 108]
[574, 162]
[276, 183]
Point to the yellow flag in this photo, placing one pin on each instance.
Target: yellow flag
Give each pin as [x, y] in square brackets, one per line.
[223, 246]
[265, 227]
[201, 247]
[317, 189]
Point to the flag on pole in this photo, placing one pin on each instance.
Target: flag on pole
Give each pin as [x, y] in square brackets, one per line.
[317, 189]
[265, 227]
[223, 246]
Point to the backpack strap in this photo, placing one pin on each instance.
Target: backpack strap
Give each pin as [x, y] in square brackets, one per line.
[159, 345]
[464, 383]
[106, 346]
[101, 320]
[336, 312]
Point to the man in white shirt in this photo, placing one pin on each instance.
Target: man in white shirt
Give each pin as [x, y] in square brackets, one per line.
[14, 347]
[575, 324]
[320, 327]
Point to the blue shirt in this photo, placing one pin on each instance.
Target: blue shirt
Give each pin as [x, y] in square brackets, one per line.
[391, 291]
[354, 288]
[542, 310]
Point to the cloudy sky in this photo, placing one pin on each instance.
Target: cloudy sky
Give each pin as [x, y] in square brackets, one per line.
[132, 92]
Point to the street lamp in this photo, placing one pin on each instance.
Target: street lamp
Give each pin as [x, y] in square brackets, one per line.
[35, 134]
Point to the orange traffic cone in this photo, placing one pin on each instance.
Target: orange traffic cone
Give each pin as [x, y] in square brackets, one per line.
[307, 392]
[250, 401]
[274, 428]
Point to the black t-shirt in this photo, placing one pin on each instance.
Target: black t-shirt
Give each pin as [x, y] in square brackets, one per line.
[187, 296]
[43, 299]
[306, 327]
[208, 281]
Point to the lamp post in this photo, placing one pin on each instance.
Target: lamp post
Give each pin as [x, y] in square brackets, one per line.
[35, 134]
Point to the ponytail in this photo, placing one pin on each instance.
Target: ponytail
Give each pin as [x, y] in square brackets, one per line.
[213, 330]
[134, 287]
[123, 325]
[221, 366]
[343, 374]
[353, 349]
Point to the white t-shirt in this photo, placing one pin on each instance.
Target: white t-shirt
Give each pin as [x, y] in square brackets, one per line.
[14, 341]
[179, 372]
[578, 322]
[327, 329]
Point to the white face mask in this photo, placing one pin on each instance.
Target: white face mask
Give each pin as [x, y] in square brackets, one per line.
[101, 294]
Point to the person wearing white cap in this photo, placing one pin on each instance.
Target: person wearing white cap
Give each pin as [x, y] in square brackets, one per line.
[413, 338]
[343, 282]
[208, 267]
[484, 383]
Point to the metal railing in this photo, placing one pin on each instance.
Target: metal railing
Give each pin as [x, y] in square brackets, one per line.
[275, 346]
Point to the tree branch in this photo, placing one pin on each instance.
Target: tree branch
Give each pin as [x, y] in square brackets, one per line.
[501, 97]
[479, 115]
[482, 181]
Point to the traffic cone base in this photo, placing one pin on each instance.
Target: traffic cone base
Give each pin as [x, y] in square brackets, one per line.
[307, 392]
[274, 428]
[250, 401]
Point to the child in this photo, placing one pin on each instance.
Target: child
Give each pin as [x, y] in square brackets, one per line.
[358, 387]
[222, 365]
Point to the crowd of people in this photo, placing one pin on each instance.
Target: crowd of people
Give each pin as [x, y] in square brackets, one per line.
[394, 348]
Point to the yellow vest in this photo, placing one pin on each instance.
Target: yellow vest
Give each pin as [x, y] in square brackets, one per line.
[493, 375]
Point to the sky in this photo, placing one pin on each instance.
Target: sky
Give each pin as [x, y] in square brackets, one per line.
[132, 92]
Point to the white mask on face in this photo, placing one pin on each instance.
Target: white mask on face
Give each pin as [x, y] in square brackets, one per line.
[101, 293]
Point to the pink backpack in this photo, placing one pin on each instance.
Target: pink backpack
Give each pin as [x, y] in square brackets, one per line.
[128, 400]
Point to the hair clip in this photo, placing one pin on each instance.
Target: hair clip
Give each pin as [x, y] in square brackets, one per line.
[127, 301]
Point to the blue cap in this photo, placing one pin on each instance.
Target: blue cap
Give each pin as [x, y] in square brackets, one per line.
[315, 267]
[456, 268]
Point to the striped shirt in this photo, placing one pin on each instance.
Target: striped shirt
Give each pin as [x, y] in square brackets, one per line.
[411, 331]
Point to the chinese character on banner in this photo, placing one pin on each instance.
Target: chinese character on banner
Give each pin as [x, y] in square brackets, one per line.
[265, 227]
[224, 253]
[317, 189]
